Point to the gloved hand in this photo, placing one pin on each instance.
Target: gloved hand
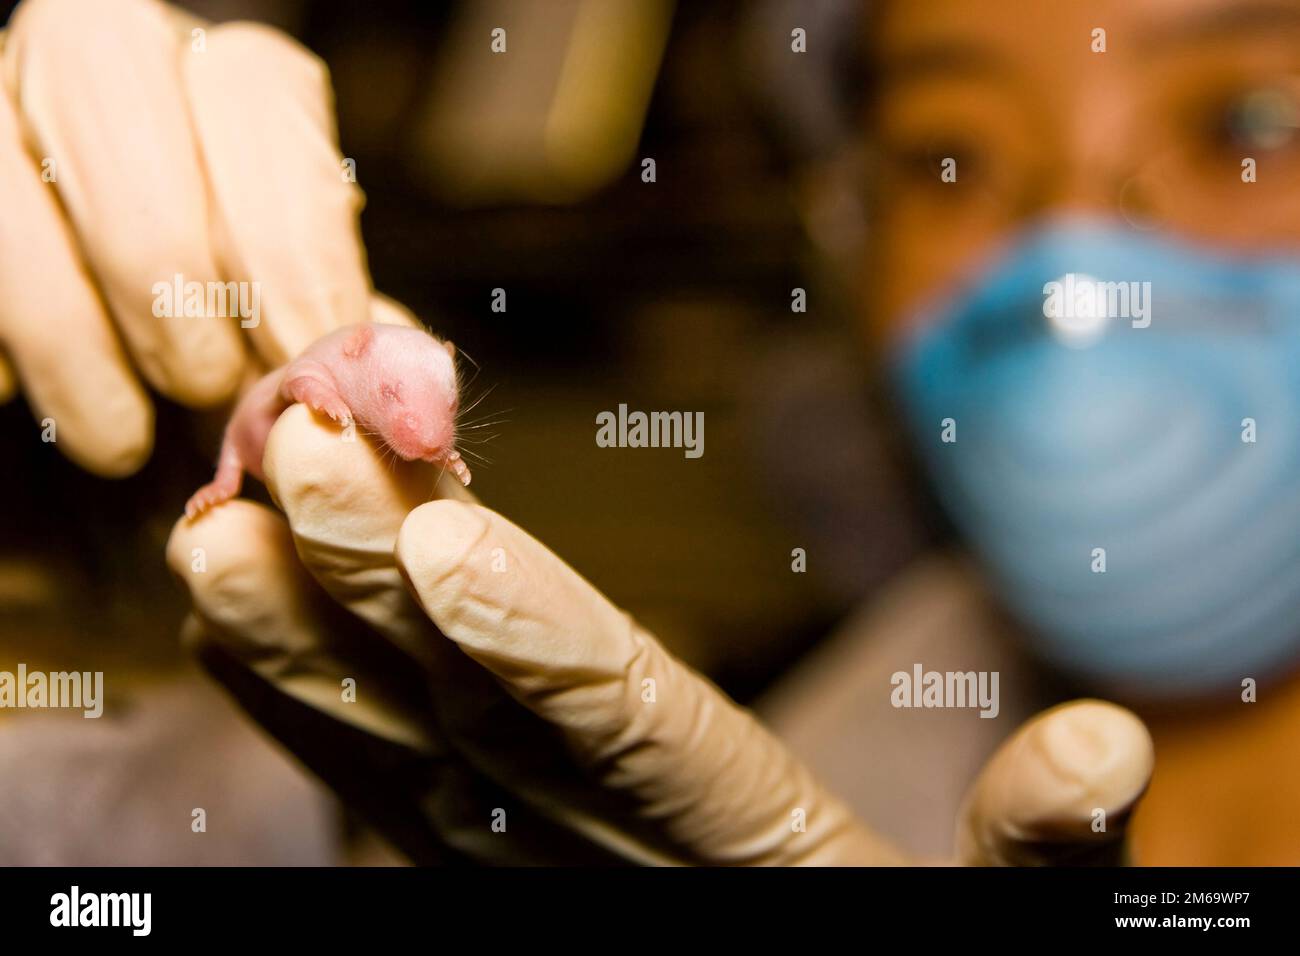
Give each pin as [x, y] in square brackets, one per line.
[138, 144]
[505, 711]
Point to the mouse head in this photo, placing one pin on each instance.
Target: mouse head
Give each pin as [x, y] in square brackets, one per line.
[411, 387]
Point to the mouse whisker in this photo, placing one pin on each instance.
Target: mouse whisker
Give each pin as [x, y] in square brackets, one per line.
[464, 422]
[472, 400]
[442, 471]
[474, 404]
[477, 425]
[477, 368]
[464, 412]
[476, 457]
[460, 351]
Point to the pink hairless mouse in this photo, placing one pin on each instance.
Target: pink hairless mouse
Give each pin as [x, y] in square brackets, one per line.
[395, 382]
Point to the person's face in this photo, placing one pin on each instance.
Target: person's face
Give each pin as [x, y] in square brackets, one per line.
[1153, 131]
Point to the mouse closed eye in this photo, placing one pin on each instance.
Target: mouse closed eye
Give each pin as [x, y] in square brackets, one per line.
[410, 398]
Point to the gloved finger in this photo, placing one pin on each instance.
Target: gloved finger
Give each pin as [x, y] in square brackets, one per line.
[81, 71]
[54, 329]
[388, 311]
[1059, 791]
[238, 564]
[261, 626]
[345, 501]
[349, 706]
[640, 722]
[707, 784]
[285, 204]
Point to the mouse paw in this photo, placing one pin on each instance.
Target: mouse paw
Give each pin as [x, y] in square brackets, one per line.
[458, 467]
[211, 494]
[336, 410]
[333, 406]
[319, 398]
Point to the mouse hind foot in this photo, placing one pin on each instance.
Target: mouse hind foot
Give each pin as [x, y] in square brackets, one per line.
[224, 485]
[210, 495]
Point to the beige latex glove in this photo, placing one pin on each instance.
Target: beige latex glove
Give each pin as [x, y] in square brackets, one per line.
[495, 685]
[174, 147]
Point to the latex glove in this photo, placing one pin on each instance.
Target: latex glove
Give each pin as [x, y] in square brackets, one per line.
[494, 685]
[175, 148]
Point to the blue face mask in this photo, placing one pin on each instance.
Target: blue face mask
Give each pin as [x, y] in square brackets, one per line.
[1113, 420]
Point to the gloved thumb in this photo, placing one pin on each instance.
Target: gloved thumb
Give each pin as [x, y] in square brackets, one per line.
[1059, 791]
[640, 723]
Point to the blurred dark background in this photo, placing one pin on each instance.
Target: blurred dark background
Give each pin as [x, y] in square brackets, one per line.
[671, 295]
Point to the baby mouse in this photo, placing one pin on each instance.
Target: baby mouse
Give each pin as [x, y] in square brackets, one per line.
[395, 382]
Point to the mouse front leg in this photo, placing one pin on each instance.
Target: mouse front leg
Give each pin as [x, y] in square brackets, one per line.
[311, 384]
[458, 467]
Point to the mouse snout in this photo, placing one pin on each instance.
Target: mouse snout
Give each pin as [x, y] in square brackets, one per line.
[437, 441]
[423, 440]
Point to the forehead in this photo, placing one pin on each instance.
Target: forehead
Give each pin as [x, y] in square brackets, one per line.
[419, 361]
[1057, 34]
[407, 342]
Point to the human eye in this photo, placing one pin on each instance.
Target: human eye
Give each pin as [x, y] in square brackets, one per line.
[927, 160]
[1258, 120]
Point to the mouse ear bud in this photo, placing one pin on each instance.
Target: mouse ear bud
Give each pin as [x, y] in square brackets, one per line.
[358, 343]
[451, 349]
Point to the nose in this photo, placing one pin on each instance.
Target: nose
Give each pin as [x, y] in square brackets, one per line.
[1135, 195]
[1103, 161]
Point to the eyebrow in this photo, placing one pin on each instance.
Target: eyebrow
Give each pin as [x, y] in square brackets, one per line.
[939, 58]
[1239, 17]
